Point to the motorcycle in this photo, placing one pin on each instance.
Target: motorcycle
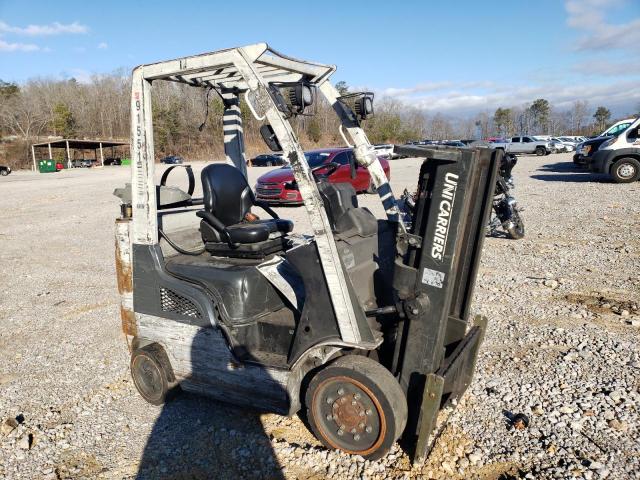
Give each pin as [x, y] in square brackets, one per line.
[506, 211]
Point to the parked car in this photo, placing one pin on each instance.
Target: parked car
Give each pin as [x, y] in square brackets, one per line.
[172, 160]
[82, 163]
[112, 161]
[586, 149]
[268, 160]
[384, 151]
[5, 170]
[524, 144]
[453, 143]
[557, 146]
[279, 185]
[619, 156]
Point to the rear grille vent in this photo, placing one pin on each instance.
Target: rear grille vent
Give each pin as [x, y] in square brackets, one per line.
[170, 301]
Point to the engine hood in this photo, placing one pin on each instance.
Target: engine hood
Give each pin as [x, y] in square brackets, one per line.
[278, 175]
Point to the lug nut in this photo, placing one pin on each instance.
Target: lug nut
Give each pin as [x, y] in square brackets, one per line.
[361, 413]
[329, 400]
[356, 396]
[340, 432]
[353, 402]
[368, 429]
[356, 437]
[361, 425]
[341, 391]
[353, 430]
[369, 412]
[329, 417]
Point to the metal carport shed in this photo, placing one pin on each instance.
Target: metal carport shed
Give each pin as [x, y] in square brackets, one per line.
[69, 144]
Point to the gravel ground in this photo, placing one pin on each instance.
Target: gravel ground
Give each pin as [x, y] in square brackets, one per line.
[562, 348]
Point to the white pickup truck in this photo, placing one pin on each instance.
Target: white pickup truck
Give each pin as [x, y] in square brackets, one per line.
[524, 144]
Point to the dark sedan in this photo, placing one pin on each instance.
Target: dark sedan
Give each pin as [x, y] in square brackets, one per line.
[172, 160]
[267, 161]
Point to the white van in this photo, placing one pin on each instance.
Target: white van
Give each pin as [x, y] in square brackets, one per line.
[619, 156]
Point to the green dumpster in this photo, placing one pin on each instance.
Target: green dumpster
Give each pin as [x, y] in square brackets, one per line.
[125, 161]
[46, 166]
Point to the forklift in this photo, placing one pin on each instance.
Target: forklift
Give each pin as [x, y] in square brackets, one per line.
[363, 327]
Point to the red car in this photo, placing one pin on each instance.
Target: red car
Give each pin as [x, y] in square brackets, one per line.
[278, 186]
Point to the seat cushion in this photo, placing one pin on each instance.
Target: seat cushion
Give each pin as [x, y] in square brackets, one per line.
[276, 225]
[248, 232]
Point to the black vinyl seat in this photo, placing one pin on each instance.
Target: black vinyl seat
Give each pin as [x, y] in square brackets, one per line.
[227, 200]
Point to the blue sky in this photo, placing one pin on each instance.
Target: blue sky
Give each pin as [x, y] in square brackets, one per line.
[454, 57]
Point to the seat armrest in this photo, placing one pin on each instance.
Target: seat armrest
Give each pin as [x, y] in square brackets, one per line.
[215, 223]
[266, 208]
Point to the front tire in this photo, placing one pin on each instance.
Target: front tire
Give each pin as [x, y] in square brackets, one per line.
[625, 170]
[540, 151]
[356, 405]
[4, 172]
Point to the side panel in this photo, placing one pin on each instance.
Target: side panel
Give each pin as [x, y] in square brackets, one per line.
[124, 275]
[203, 364]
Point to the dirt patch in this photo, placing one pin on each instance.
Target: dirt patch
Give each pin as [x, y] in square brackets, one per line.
[603, 303]
[78, 465]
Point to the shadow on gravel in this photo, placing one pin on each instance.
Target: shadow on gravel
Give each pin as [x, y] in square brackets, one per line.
[569, 172]
[197, 438]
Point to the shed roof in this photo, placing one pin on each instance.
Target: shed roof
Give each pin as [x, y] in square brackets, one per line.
[80, 144]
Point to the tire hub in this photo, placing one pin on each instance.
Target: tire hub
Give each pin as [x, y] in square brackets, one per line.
[349, 418]
[148, 377]
[626, 170]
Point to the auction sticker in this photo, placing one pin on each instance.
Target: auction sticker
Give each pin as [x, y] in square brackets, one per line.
[432, 277]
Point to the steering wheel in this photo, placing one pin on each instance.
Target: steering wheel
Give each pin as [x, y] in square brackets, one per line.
[330, 167]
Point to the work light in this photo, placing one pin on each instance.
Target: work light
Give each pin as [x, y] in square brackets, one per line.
[361, 103]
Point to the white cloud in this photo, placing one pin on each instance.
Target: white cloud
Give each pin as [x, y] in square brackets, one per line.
[103, 45]
[17, 47]
[462, 99]
[607, 68]
[55, 28]
[589, 16]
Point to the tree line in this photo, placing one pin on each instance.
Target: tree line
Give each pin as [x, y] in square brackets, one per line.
[44, 108]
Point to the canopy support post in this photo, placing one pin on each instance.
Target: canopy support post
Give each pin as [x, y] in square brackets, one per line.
[233, 133]
[33, 155]
[50, 152]
[68, 155]
[101, 155]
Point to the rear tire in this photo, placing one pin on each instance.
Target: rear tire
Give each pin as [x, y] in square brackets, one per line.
[540, 151]
[269, 164]
[4, 172]
[152, 374]
[625, 170]
[356, 405]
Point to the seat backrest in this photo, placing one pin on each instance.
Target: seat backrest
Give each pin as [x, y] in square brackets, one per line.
[226, 193]
[341, 205]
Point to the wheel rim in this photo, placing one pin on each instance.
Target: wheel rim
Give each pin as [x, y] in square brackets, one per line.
[626, 170]
[147, 377]
[349, 416]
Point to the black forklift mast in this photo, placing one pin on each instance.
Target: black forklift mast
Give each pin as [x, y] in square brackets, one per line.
[434, 277]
